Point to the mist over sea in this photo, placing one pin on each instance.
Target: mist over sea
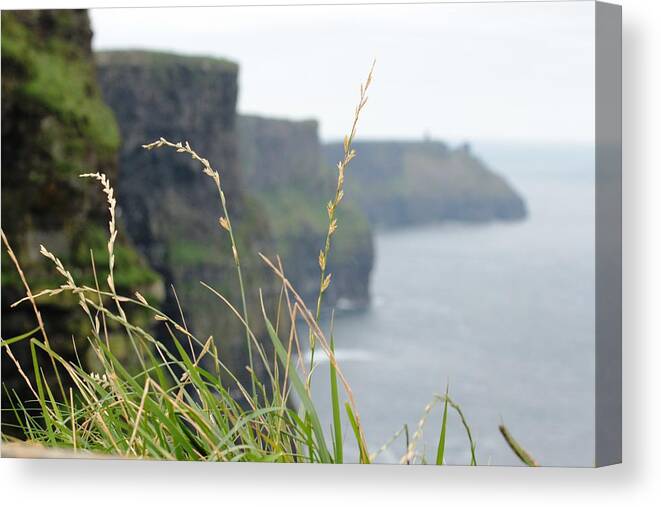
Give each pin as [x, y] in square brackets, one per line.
[504, 312]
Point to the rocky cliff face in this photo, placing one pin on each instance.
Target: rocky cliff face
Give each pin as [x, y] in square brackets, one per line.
[55, 126]
[281, 163]
[399, 183]
[277, 153]
[170, 207]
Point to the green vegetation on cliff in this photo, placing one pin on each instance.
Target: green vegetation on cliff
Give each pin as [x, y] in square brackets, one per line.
[47, 63]
[55, 126]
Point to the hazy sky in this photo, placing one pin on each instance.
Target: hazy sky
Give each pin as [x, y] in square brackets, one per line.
[512, 71]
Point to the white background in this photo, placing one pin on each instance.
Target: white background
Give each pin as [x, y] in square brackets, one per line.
[636, 482]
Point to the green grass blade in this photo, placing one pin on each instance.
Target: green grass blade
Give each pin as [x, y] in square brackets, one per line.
[441, 441]
[337, 423]
[12, 408]
[464, 422]
[40, 391]
[56, 410]
[520, 452]
[16, 339]
[408, 441]
[364, 456]
[300, 390]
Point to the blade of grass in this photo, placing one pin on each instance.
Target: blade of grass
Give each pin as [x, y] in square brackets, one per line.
[40, 391]
[520, 452]
[337, 423]
[408, 440]
[56, 410]
[299, 387]
[441, 442]
[464, 422]
[16, 339]
[364, 456]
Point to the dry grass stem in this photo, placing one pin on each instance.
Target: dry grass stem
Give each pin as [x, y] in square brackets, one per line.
[331, 208]
[224, 221]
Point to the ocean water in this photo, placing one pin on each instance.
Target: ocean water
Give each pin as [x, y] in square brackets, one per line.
[503, 313]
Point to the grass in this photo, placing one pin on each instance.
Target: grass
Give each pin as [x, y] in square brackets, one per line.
[332, 206]
[182, 402]
[64, 85]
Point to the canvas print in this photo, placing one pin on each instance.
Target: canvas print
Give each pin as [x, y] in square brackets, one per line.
[380, 234]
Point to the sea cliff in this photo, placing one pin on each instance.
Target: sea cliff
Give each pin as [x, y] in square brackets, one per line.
[281, 164]
[398, 183]
[272, 174]
[170, 207]
[55, 126]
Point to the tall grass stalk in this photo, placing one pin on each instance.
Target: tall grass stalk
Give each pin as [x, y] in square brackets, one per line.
[225, 222]
[35, 309]
[112, 230]
[331, 207]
